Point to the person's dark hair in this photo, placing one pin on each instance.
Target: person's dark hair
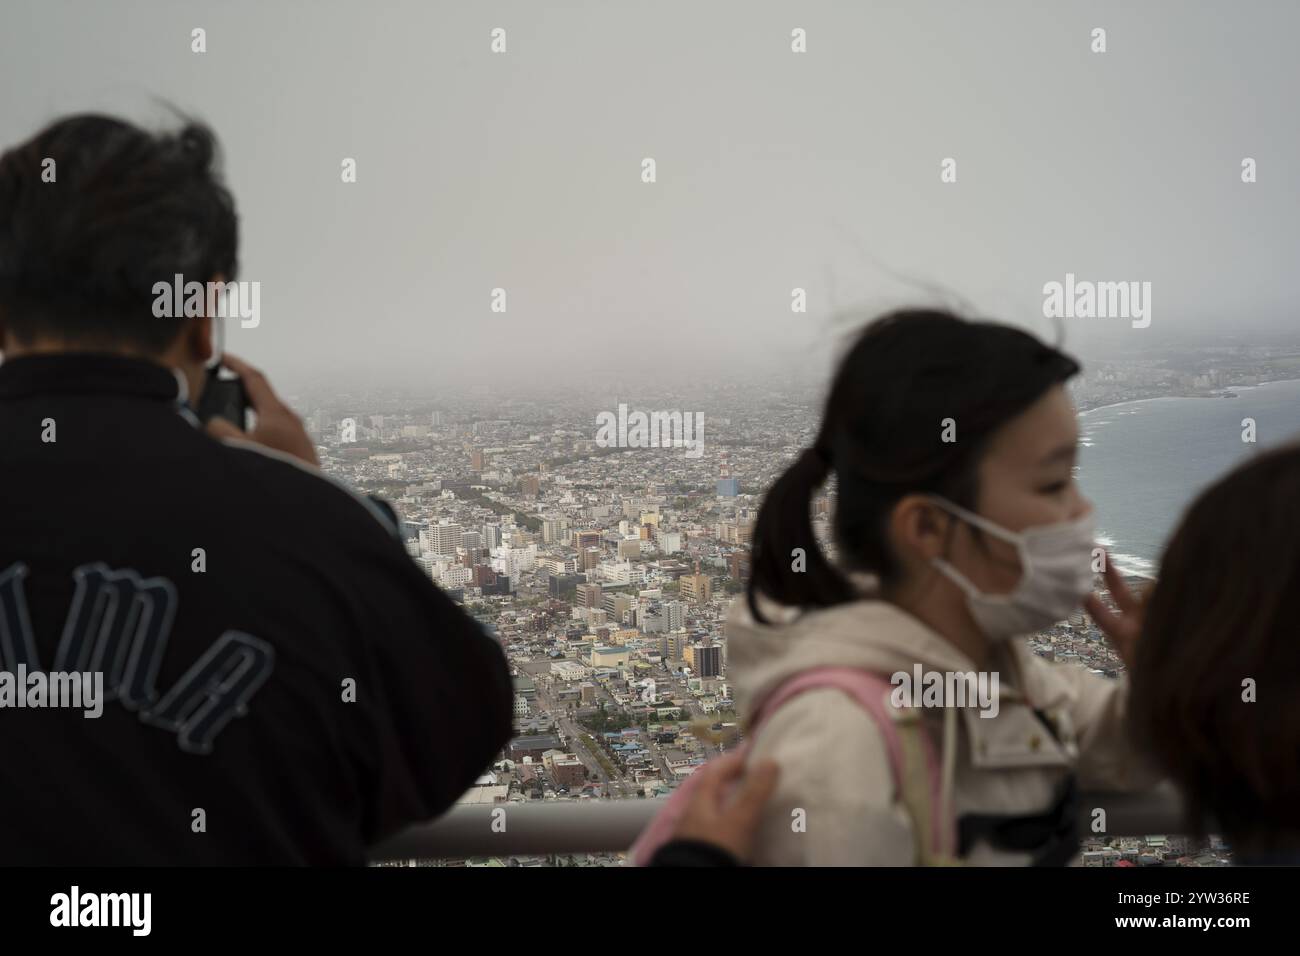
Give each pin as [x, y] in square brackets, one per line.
[882, 432]
[1225, 608]
[79, 255]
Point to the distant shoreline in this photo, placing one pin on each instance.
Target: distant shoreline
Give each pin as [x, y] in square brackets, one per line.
[1155, 398]
[1118, 560]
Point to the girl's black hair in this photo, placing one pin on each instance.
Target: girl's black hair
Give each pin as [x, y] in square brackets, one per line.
[882, 434]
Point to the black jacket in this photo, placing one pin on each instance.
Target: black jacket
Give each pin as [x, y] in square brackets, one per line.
[692, 853]
[230, 739]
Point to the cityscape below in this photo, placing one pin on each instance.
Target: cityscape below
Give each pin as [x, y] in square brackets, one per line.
[605, 569]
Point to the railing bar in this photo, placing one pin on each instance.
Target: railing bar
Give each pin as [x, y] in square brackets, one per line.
[605, 826]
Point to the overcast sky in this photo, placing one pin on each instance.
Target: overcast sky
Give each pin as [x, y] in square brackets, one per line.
[819, 170]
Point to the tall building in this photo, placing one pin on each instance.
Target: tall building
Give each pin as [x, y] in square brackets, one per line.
[617, 605]
[455, 576]
[738, 532]
[669, 542]
[675, 615]
[442, 538]
[738, 565]
[491, 536]
[558, 584]
[589, 595]
[728, 486]
[582, 540]
[696, 587]
[514, 561]
[471, 540]
[653, 620]
[705, 659]
[557, 564]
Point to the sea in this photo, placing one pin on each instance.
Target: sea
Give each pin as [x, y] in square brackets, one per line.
[1142, 463]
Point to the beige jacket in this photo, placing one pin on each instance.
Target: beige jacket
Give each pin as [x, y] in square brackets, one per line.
[833, 759]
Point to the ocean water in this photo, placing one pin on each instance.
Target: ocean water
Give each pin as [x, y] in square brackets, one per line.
[1143, 462]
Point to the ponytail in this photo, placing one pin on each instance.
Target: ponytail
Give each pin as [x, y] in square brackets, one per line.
[784, 525]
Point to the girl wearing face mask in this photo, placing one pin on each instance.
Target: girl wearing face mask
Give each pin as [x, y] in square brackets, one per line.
[958, 530]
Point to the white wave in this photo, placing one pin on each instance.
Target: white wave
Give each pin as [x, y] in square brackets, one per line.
[1132, 564]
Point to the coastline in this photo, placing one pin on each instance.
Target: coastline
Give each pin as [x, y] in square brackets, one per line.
[1136, 565]
[1156, 398]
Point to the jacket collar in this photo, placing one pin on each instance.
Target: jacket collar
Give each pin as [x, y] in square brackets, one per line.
[877, 636]
[86, 373]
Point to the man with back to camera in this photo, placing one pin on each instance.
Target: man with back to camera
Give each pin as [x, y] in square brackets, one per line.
[281, 683]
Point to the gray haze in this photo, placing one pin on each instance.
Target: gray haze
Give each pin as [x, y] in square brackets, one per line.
[775, 170]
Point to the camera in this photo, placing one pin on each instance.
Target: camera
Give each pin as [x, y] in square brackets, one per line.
[224, 396]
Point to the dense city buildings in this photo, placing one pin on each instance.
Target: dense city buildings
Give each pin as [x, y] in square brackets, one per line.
[606, 572]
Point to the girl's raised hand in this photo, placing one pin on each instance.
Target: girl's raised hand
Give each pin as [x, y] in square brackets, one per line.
[1122, 628]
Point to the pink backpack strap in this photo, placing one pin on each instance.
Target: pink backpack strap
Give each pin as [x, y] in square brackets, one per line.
[871, 692]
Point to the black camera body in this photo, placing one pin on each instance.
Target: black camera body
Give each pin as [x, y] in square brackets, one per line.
[224, 397]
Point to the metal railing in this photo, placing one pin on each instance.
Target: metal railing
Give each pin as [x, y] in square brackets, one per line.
[610, 826]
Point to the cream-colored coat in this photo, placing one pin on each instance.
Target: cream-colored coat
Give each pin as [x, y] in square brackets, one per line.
[833, 758]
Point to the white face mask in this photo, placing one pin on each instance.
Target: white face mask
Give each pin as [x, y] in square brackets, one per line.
[1056, 575]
